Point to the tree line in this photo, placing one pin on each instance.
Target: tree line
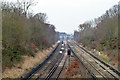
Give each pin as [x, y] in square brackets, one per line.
[101, 33]
[24, 33]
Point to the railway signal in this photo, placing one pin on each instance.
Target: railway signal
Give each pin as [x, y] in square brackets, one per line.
[69, 53]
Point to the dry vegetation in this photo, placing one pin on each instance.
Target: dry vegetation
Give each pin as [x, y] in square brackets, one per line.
[101, 34]
[29, 63]
[24, 33]
[73, 70]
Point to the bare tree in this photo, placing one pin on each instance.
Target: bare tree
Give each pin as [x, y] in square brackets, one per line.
[41, 17]
[25, 5]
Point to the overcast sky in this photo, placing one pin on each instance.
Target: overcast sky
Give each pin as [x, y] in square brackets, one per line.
[66, 15]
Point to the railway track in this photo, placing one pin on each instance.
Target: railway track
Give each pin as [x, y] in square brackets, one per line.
[74, 69]
[53, 68]
[94, 67]
[89, 71]
[60, 68]
[56, 71]
[84, 50]
[54, 65]
[43, 69]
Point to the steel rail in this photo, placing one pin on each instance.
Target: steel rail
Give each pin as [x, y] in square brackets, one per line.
[54, 68]
[61, 69]
[92, 74]
[102, 67]
[95, 68]
[114, 70]
[28, 76]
